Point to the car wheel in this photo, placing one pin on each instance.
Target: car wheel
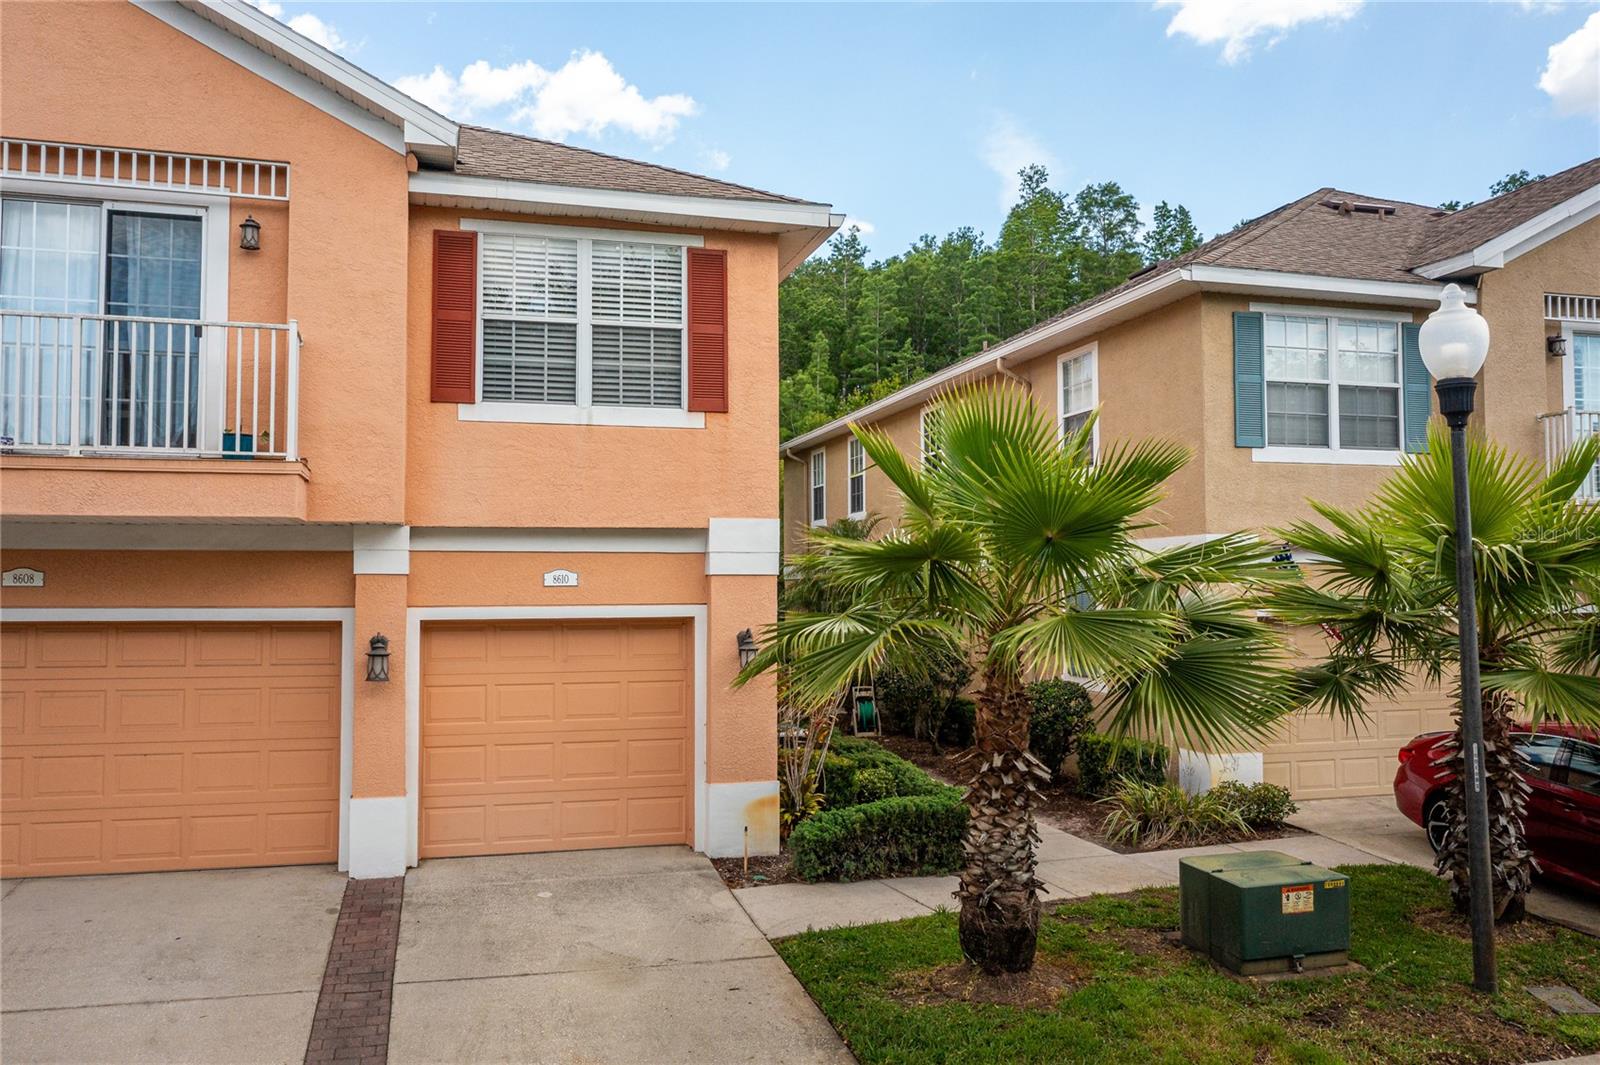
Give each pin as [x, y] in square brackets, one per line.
[1436, 819]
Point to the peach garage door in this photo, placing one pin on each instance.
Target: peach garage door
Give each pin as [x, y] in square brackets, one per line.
[139, 747]
[542, 736]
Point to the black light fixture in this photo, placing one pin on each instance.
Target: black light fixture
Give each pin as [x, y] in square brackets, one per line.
[378, 658]
[747, 648]
[250, 234]
[1555, 345]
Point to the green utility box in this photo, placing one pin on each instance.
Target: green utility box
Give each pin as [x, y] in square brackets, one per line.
[1258, 912]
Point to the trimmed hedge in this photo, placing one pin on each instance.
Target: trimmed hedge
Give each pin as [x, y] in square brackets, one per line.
[1104, 760]
[846, 759]
[908, 835]
[1062, 711]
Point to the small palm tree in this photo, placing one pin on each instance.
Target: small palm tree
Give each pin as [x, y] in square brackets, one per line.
[1018, 549]
[1384, 586]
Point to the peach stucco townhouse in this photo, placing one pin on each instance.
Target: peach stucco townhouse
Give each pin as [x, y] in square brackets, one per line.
[1283, 354]
[291, 362]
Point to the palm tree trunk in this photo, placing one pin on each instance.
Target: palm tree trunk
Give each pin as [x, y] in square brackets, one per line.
[999, 924]
[1510, 859]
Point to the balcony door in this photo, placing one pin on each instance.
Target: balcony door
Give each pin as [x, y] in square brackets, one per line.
[1586, 393]
[151, 375]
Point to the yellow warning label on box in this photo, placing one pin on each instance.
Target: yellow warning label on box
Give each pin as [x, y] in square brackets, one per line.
[1300, 898]
[1329, 885]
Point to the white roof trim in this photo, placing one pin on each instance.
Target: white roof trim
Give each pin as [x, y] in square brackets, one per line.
[1168, 286]
[268, 48]
[1540, 229]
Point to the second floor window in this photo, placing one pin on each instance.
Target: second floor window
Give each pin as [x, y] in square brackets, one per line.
[857, 457]
[1078, 393]
[580, 320]
[1333, 382]
[819, 486]
[929, 432]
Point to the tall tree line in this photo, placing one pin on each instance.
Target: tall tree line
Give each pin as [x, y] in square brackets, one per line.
[851, 330]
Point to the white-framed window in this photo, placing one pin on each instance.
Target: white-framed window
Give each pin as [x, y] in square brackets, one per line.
[581, 325]
[927, 425]
[1078, 393]
[856, 466]
[819, 486]
[1334, 382]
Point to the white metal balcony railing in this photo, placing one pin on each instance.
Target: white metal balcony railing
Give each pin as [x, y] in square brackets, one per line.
[1562, 429]
[103, 384]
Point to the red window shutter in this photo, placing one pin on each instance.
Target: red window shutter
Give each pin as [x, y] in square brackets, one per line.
[708, 329]
[455, 305]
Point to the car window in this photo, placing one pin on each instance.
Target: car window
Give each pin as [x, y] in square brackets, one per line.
[1583, 771]
[1541, 751]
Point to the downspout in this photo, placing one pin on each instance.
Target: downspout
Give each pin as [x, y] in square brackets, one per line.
[1005, 371]
[788, 453]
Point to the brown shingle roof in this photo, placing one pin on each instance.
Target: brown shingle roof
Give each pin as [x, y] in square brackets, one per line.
[1469, 227]
[491, 153]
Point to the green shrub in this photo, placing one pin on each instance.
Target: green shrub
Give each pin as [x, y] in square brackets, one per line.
[1104, 760]
[916, 698]
[1261, 805]
[1062, 711]
[959, 723]
[874, 783]
[908, 835]
[1154, 815]
[849, 757]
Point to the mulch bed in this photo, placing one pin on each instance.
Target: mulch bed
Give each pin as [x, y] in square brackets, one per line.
[764, 870]
[1038, 989]
[1060, 804]
[1455, 925]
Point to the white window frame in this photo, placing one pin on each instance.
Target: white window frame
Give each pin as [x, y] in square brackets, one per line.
[1569, 372]
[583, 412]
[1333, 454]
[1092, 353]
[922, 433]
[855, 476]
[817, 481]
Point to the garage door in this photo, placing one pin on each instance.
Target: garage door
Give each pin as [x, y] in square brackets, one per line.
[138, 747]
[544, 736]
[1319, 758]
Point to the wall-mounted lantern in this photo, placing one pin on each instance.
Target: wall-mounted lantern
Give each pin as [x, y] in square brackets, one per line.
[378, 658]
[747, 648]
[250, 234]
[1555, 345]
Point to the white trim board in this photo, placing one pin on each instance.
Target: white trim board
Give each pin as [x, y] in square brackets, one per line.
[1540, 229]
[602, 541]
[698, 614]
[345, 616]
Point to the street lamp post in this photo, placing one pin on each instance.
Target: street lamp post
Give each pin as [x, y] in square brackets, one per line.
[1454, 342]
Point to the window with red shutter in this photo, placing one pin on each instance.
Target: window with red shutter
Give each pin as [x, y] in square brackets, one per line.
[708, 329]
[455, 302]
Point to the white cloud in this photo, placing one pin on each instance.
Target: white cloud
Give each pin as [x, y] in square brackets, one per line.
[716, 159]
[1006, 149]
[852, 222]
[586, 95]
[1572, 70]
[305, 24]
[1236, 24]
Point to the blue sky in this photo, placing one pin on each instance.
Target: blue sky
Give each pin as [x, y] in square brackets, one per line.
[912, 118]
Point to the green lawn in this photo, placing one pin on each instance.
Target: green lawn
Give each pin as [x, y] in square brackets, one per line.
[1139, 999]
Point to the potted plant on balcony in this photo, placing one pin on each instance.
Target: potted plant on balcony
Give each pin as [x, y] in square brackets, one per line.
[242, 445]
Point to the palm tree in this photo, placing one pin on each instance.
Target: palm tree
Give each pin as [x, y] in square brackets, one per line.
[1384, 588]
[1019, 549]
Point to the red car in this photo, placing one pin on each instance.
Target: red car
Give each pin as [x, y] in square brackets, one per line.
[1563, 820]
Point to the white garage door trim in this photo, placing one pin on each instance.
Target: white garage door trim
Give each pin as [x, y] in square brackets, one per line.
[415, 616]
[345, 616]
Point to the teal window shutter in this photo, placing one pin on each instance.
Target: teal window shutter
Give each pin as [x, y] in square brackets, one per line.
[1416, 384]
[1249, 380]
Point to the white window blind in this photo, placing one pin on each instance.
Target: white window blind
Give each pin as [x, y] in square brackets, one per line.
[530, 318]
[637, 309]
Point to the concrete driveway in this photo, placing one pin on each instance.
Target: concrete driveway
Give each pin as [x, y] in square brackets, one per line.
[164, 967]
[637, 955]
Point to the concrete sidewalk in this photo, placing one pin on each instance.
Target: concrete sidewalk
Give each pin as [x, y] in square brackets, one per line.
[1069, 866]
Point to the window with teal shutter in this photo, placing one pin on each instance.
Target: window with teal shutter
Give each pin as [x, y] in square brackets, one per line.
[1414, 377]
[1249, 386]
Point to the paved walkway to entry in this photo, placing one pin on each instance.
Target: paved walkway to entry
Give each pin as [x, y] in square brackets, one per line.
[1343, 832]
[635, 955]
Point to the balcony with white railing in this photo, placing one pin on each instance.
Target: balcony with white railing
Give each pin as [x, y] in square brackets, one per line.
[1562, 429]
[201, 403]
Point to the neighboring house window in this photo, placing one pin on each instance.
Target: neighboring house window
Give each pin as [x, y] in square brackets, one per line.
[580, 320]
[1079, 393]
[929, 424]
[1332, 382]
[857, 456]
[819, 486]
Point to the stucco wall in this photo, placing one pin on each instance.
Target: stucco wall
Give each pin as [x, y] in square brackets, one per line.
[334, 258]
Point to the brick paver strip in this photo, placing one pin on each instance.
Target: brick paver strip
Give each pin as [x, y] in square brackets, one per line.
[352, 1019]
